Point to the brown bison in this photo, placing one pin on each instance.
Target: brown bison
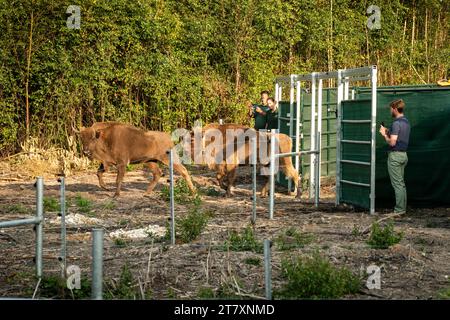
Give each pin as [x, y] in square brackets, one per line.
[118, 144]
[226, 170]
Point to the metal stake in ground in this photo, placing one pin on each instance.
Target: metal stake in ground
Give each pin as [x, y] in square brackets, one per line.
[97, 264]
[62, 257]
[39, 225]
[254, 160]
[267, 269]
[172, 201]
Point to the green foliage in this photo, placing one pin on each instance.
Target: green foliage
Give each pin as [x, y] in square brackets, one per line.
[83, 204]
[124, 287]
[292, 238]
[16, 208]
[181, 193]
[51, 204]
[162, 65]
[119, 242]
[383, 238]
[444, 294]
[315, 278]
[56, 287]
[253, 261]
[191, 226]
[205, 293]
[245, 241]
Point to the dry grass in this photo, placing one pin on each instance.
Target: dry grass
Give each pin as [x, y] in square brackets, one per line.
[34, 161]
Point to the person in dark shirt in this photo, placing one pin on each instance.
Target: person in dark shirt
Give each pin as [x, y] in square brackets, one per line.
[259, 112]
[272, 114]
[397, 139]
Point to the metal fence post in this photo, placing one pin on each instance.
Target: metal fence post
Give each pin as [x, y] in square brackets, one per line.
[254, 160]
[97, 264]
[267, 269]
[172, 200]
[273, 158]
[39, 224]
[62, 256]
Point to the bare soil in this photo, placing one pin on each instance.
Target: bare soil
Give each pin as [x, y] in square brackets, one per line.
[416, 268]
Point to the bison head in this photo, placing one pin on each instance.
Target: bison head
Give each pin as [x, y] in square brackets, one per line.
[89, 138]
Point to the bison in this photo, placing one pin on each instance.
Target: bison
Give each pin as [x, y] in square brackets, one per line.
[226, 170]
[118, 144]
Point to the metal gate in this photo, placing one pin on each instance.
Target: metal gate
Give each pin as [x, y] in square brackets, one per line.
[356, 174]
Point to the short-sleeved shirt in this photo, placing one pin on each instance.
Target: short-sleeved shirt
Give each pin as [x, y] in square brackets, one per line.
[260, 120]
[272, 119]
[401, 128]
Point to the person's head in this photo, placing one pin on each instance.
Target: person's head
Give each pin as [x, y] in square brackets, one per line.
[397, 107]
[264, 97]
[271, 103]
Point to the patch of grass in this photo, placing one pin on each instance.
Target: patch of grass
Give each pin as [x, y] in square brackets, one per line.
[83, 204]
[109, 205]
[253, 261]
[181, 192]
[355, 231]
[171, 294]
[383, 237]
[119, 242]
[191, 226]
[56, 287]
[51, 204]
[244, 241]
[16, 208]
[292, 238]
[124, 287]
[124, 222]
[444, 294]
[315, 278]
[205, 293]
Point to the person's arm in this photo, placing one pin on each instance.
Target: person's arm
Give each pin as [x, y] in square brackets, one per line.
[260, 111]
[390, 138]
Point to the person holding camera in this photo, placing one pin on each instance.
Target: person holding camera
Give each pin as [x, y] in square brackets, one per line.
[398, 139]
[259, 112]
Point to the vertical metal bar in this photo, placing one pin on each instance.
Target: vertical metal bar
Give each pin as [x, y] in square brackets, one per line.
[254, 160]
[297, 128]
[346, 88]
[97, 264]
[319, 142]
[39, 225]
[63, 226]
[267, 269]
[272, 172]
[373, 138]
[277, 98]
[340, 93]
[312, 157]
[172, 200]
[291, 116]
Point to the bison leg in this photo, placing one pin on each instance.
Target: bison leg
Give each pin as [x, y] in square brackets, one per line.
[183, 171]
[102, 169]
[265, 188]
[156, 172]
[231, 176]
[120, 175]
[290, 172]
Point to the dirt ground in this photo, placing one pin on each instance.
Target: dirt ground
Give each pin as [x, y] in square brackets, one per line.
[416, 268]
